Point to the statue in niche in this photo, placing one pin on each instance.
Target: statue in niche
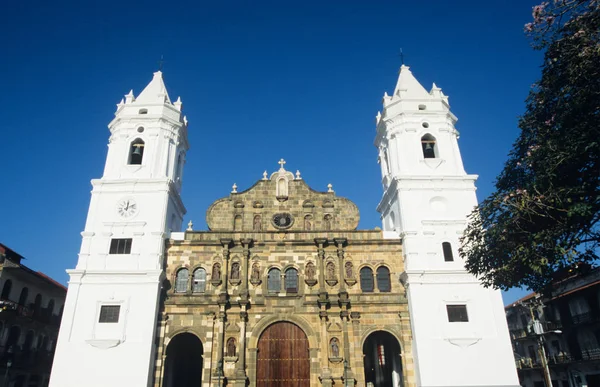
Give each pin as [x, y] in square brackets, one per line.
[255, 272]
[310, 271]
[330, 271]
[327, 222]
[216, 272]
[231, 347]
[348, 267]
[257, 225]
[307, 223]
[235, 271]
[335, 347]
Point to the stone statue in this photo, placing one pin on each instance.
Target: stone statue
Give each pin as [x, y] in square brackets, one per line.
[348, 267]
[255, 272]
[330, 270]
[235, 271]
[216, 272]
[231, 347]
[335, 347]
[307, 223]
[257, 226]
[310, 271]
[327, 221]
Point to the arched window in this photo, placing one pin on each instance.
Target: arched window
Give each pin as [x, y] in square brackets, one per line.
[181, 280]
[383, 279]
[136, 152]
[447, 248]
[23, 296]
[37, 305]
[199, 281]
[50, 307]
[274, 281]
[429, 146]
[6, 290]
[366, 279]
[291, 280]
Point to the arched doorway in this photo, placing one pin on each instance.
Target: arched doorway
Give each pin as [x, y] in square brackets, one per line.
[283, 358]
[383, 362]
[183, 364]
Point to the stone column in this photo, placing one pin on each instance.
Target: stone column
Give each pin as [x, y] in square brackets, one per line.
[357, 360]
[340, 243]
[323, 301]
[240, 372]
[222, 301]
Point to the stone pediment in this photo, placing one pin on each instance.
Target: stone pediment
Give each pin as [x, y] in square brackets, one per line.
[282, 202]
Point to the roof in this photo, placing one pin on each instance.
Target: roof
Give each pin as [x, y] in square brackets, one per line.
[155, 91]
[408, 86]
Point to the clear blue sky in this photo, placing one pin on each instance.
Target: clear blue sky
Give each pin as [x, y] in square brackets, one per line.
[259, 81]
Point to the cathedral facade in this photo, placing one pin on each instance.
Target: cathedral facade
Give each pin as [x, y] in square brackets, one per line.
[283, 289]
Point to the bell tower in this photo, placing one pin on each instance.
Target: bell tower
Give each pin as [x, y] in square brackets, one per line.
[107, 330]
[460, 334]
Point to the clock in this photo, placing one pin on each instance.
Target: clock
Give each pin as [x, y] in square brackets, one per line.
[127, 208]
[283, 220]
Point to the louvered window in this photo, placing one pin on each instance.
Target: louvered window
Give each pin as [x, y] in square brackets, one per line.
[291, 281]
[383, 279]
[181, 281]
[274, 281]
[366, 279]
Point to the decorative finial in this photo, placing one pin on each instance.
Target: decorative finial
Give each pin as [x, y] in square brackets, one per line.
[234, 188]
[298, 175]
[281, 164]
[129, 98]
[329, 188]
[265, 175]
[190, 225]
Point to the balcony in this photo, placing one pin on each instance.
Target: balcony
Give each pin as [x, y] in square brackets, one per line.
[562, 358]
[43, 315]
[590, 354]
[584, 318]
[527, 363]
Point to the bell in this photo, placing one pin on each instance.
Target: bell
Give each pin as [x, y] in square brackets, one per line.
[428, 146]
[138, 151]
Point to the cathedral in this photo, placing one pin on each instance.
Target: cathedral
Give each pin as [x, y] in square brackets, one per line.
[283, 289]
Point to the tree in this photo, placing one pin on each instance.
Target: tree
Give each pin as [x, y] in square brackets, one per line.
[543, 216]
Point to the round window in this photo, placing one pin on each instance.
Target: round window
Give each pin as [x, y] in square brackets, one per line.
[283, 220]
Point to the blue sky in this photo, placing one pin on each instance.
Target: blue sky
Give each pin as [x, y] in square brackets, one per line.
[259, 80]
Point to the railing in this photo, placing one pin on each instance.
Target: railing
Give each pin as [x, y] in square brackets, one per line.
[29, 359]
[6, 305]
[561, 358]
[518, 333]
[590, 354]
[43, 314]
[552, 325]
[527, 362]
[584, 318]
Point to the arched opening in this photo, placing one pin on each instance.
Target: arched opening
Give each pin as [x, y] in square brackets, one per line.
[6, 290]
[23, 296]
[37, 305]
[27, 345]
[429, 146]
[447, 248]
[383, 279]
[199, 281]
[13, 337]
[283, 358]
[183, 364]
[136, 152]
[382, 360]
[181, 280]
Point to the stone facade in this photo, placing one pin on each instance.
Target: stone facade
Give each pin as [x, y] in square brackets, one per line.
[321, 243]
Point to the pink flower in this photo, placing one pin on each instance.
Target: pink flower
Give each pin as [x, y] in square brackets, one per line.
[529, 28]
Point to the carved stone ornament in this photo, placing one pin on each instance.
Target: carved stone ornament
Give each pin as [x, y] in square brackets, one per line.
[234, 277]
[255, 276]
[331, 277]
[215, 278]
[309, 274]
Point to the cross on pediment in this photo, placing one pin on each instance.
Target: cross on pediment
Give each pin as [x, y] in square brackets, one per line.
[281, 163]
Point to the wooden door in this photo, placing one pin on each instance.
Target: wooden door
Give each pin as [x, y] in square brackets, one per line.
[283, 358]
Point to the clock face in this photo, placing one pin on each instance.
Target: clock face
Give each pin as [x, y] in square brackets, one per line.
[282, 220]
[127, 208]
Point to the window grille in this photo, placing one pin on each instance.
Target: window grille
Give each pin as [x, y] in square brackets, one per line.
[181, 281]
[109, 313]
[199, 281]
[457, 313]
[383, 279]
[366, 279]
[274, 281]
[291, 281]
[120, 246]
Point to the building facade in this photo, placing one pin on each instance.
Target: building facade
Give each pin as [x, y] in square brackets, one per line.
[559, 333]
[31, 304]
[283, 289]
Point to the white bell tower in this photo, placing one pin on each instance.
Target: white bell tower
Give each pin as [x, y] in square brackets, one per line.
[107, 333]
[460, 332]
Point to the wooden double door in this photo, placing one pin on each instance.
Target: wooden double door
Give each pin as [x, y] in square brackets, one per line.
[283, 357]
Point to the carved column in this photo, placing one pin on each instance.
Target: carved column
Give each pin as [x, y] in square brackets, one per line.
[323, 301]
[340, 244]
[222, 303]
[240, 372]
[321, 253]
[357, 360]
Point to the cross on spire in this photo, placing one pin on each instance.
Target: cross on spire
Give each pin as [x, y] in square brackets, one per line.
[281, 163]
[401, 56]
[161, 62]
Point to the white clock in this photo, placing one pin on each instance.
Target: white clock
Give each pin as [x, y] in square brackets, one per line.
[127, 207]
